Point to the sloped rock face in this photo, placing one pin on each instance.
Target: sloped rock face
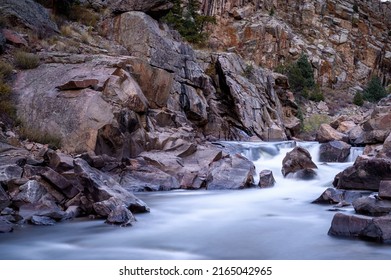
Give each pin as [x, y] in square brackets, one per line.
[219, 93]
[28, 14]
[329, 32]
[250, 101]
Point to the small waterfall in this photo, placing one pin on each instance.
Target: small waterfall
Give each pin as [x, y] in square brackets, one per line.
[354, 153]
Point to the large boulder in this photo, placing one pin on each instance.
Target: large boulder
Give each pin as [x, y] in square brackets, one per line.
[298, 160]
[337, 196]
[9, 172]
[29, 193]
[88, 119]
[334, 151]
[376, 229]
[28, 14]
[232, 172]
[99, 186]
[326, 133]
[140, 176]
[372, 206]
[365, 174]
[348, 225]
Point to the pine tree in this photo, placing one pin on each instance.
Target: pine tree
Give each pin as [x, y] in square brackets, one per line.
[374, 90]
[187, 21]
[301, 75]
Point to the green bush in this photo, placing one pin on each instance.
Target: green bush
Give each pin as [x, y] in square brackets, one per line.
[282, 69]
[188, 22]
[312, 124]
[374, 91]
[358, 99]
[301, 74]
[316, 95]
[25, 60]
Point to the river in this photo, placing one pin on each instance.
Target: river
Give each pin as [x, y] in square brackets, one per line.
[272, 223]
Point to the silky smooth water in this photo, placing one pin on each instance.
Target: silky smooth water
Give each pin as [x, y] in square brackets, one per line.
[272, 223]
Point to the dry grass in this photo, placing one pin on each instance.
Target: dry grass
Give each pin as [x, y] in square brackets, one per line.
[38, 136]
[84, 15]
[85, 37]
[24, 60]
[66, 30]
[6, 104]
[5, 70]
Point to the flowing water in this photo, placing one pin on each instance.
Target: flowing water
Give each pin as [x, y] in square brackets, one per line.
[272, 223]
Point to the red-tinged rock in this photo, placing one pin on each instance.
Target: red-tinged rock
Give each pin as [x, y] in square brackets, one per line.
[14, 38]
[79, 84]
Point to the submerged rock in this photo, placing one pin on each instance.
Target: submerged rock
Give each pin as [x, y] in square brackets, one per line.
[42, 221]
[5, 226]
[120, 215]
[336, 196]
[266, 179]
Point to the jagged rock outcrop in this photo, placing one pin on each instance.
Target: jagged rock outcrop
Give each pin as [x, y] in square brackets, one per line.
[116, 108]
[154, 8]
[345, 40]
[32, 192]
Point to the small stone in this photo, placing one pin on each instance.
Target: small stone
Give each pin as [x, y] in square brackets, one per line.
[42, 221]
[121, 216]
[266, 179]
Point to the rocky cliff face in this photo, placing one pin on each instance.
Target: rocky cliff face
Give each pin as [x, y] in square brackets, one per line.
[346, 41]
[120, 105]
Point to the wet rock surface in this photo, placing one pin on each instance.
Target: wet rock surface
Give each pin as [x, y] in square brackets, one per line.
[299, 162]
[334, 151]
